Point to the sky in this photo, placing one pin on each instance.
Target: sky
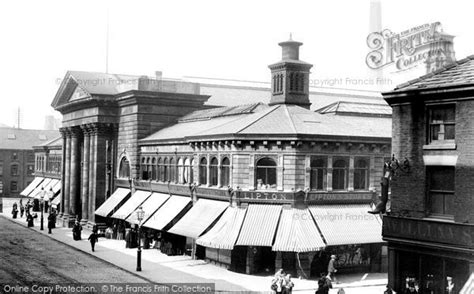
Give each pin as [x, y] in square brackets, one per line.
[42, 40]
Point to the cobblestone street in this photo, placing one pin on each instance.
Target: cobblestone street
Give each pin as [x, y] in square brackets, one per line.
[27, 257]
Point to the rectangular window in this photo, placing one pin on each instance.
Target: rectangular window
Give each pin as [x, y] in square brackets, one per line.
[13, 186]
[14, 169]
[30, 169]
[318, 176]
[441, 123]
[441, 191]
[361, 173]
[340, 173]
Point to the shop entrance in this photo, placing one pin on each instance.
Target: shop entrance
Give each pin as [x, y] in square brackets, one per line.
[264, 261]
[288, 263]
[239, 259]
[319, 264]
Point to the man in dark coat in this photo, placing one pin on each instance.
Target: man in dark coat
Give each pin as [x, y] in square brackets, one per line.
[93, 238]
[30, 219]
[51, 221]
[76, 231]
[22, 208]
[323, 285]
[14, 210]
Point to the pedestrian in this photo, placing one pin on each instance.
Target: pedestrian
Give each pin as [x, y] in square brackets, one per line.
[332, 269]
[93, 238]
[288, 284]
[22, 208]
[15, 210]
[51, 221]
[76, 231]
[388, 290]
[277, 281]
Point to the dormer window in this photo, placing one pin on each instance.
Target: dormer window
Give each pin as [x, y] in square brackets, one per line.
[442, 123]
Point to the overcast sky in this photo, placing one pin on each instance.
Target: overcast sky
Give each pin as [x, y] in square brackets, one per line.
[41, 40]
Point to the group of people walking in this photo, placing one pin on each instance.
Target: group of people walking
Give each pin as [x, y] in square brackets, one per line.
[26, 210]
[77, 232]
[282, 283]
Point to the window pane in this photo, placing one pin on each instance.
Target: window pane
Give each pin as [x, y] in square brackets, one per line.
[441, 178]
[437, 202]
[271, 177]
[213, 175]
[449, 132]
[360, 179]
[266, 162]
[338, 179]
[225, 175]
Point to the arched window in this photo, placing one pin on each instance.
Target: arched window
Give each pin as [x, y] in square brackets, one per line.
[292, 81]
[172, 170]
[153, 169]
[225, 172]
[281, 82]
[318, 174]
[143, 169]
[339, 174]
[160, 171]
[361, 174]
[124, 168]
[266, 176]
[274, 84]
[213, 172]
[203, 171]
[181, 179]
[165, 170]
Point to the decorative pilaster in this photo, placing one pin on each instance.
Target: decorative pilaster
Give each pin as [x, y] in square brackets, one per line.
[92, 168]
[330, 159]
[63, 170]
[350, 186]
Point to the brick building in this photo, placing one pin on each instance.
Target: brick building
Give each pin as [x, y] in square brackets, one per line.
[17, 158]
[430, 227]
[208, 177]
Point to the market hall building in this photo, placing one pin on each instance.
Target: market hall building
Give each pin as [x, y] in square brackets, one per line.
[251, 187]
[430, 229]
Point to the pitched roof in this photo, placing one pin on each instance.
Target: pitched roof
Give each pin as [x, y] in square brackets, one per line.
[24, 139]
[274, 121]
[457, 73]
[356, 108]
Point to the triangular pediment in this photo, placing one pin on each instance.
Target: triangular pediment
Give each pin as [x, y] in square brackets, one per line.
[69, 90]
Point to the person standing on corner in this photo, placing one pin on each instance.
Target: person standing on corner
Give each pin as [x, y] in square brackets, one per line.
[76, 231]
[93, 238]
[332, 269]
[22, 208]
[51, 221]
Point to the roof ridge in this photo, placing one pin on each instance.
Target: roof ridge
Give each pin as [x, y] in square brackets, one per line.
[259, 118]
[291, 120]
[436, 72]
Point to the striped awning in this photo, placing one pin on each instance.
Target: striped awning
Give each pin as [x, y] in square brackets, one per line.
[225, 232]
[203, 213]
[297, 232]
[347, 224]
[259, 225]
[56, 201]
[51, 184]
[111, 203]
[149, 207]
[38, 191]
[36, 181]
[57, 187]
[132, 204]
[167, 212]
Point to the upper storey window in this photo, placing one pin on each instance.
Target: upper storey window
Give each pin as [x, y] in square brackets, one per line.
[442, 123]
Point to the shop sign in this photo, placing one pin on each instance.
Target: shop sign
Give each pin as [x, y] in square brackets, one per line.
[432, 231]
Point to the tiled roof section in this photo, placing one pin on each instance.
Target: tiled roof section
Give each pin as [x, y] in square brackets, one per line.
[53, 142]
[219, 112]
[24, 139]
[355, 108]
[460, 72]
[276, 120]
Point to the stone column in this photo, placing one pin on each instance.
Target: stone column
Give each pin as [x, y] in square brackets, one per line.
[85, 176]
[66, 192]
[63, 171]
[92, 168]
[74, 196]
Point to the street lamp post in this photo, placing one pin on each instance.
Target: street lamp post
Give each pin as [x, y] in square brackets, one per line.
[50, 199]
[43, 193]
[140, 214]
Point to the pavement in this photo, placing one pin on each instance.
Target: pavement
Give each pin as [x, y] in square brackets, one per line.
[161, 268]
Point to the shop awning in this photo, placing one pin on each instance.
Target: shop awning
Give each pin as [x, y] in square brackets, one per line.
[259, 225]
[167, 212]
[57, 187]
[150, 205]
[225, 232]
[132, 204]
[199, 218]
[56, 201]
[111, 203]
[297, 232]
[347, 224]
[38, 191]
[36, 181]
[51, 184]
